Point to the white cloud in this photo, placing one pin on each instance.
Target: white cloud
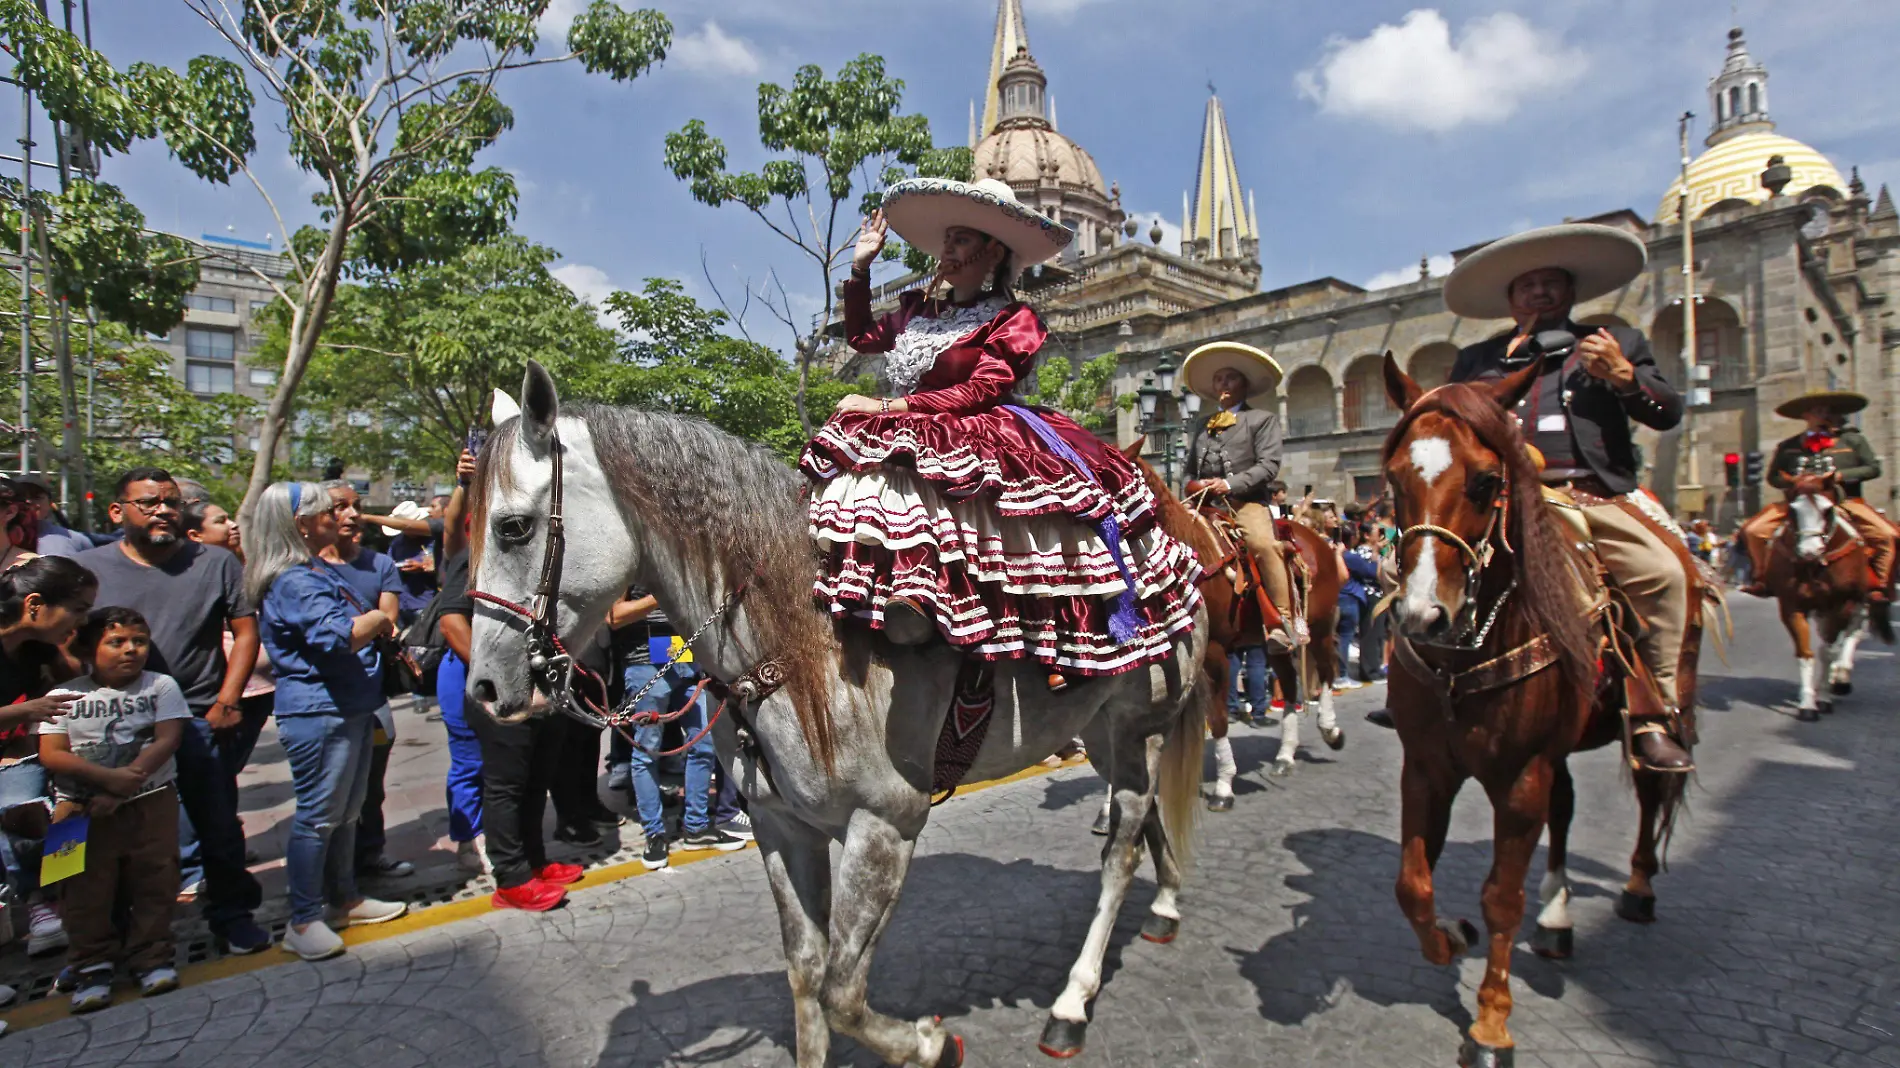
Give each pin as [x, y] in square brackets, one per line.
[589, 283]
[1060, 9]
[1414, 76]
[1398, 276]
[558, 17]
[713, 51]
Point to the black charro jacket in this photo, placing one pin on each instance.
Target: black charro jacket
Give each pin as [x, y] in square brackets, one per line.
[1599, 415]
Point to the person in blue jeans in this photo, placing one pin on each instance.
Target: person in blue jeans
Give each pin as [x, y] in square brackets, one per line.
[1356, 598]
[464, 783]
[1248, 664]
[643, 644]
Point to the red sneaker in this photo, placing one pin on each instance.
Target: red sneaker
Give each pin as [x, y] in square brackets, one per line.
[531, 896]
[560, 873]
[1277, 705]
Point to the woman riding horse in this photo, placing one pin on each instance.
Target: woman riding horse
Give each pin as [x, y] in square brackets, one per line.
[949, 509]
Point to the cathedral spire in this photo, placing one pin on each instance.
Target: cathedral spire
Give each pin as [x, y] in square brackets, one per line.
[1738, 95]
[1221, 226]
[1011, 36]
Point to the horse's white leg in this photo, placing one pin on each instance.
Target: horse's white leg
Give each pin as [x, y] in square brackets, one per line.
[871, 872]
[1102, 817]
[1840, 675]
[1328, 723]
[1063, 1035]
[798, 868]
[1224, 768]
[1554, 895]
[1289, 740]
[1805, 670]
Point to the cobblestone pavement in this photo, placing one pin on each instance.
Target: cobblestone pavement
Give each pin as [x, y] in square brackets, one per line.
[1774, 946]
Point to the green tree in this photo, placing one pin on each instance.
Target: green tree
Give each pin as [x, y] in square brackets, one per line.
[386, 103]
[411, 358]
[840, 142]
[1086, 395]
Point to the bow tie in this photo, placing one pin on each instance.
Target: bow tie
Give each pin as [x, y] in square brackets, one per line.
[1221, 421]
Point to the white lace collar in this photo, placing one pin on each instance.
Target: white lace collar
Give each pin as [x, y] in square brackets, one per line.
[924, 339]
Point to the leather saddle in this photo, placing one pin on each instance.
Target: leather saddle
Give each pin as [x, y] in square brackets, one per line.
[1244, 572]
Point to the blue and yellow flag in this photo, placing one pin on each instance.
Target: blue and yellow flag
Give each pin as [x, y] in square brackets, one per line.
[668, 649]
[64, 853]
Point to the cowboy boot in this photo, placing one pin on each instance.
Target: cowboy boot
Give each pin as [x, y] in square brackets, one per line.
[907, 623]
[1655, 750]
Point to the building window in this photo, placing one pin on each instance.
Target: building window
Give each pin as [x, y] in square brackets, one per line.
[258, 307]
[210, 344]
[1367, 488]
[261, 377]
[1734, 100]
[255, 442]
[201, 302]
[209, 378]
[358, 419]
[1754, 98]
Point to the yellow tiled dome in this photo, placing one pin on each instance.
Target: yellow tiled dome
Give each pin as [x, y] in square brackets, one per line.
[1732, 171]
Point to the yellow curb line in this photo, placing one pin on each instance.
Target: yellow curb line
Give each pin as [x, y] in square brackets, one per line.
[58, 1007]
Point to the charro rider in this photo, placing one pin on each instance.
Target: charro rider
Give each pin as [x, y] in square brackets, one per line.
[1236, 455]
[1831, 457]
[1595, 381]
[948, 508]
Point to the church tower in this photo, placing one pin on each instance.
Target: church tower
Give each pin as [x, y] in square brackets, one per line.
[1221, 228]
[1738, 96]
[1011, 36]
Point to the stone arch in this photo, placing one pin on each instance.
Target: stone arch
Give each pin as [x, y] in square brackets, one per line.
[1367, 406]
[1720, 343]
[1309, 401]
[1430, 366]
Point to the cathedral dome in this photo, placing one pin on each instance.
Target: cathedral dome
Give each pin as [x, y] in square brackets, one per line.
[1731, 171]
[1028, 156]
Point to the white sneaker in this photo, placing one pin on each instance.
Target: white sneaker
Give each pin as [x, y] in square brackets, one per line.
[368, 910]
[7, 994]
[739, 826]
[472, 857]
[314, 942]
[47, 934]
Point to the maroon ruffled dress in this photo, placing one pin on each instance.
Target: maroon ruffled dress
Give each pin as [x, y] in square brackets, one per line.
[964, 506]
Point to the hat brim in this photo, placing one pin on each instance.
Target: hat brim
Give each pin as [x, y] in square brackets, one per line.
[921, 210]
[1600, 259]
[1841, 401]
[1262, 371]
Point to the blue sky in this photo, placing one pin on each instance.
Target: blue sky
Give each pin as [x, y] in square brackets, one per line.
[1372, 132]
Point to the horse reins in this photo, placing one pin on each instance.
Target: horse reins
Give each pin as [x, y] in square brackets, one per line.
[1469, 635]
[552, 668]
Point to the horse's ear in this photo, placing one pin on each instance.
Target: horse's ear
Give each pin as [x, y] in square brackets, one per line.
[1132, 450]
[540, 406]
[1510, 389]
[1399, 386]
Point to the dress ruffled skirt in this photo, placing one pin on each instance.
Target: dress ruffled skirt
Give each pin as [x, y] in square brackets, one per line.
[997, 537]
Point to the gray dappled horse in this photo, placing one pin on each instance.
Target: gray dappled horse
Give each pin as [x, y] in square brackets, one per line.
[829, 733]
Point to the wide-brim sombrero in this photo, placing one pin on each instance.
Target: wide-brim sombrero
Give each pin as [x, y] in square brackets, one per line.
[1600, 259]
[405, 510]
[1842, 401]
[921, 209]
[1262, 371]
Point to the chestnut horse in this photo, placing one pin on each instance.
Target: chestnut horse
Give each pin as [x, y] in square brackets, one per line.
[1818, 572]
[1234, 622]
[1499, 633]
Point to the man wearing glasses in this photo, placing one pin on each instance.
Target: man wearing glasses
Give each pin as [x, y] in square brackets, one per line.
[189, 592]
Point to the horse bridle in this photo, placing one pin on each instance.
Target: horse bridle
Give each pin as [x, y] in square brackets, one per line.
[1468, 634]
[552, 668]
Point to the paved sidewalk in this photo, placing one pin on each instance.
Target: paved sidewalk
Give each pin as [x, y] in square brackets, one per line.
[1774, 944]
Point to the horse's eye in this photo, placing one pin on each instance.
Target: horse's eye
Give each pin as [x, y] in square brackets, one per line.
[514, 529]
[1483, 486]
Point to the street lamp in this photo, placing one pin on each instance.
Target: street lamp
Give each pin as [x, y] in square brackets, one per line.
[1165, 424]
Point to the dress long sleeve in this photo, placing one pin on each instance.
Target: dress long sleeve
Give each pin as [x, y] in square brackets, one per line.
[865, 332]
[1009, 352]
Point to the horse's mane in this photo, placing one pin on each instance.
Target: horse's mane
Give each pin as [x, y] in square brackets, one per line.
[1548, 591]
[728, 508]
[1174, 518]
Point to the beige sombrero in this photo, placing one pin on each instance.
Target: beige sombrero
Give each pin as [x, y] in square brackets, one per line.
[1601, 259]
[406, 510]
[921, 209]
[1262, 372]
[1841, 401]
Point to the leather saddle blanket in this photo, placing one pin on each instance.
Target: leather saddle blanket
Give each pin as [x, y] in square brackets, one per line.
[972, 703]
[1242, 569]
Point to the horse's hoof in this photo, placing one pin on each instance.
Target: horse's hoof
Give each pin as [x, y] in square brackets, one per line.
[952, 1055]
[1282, 767]
[1061, 1038]
[1636, 908]
[1461, 934]
[1100, 826]
[1807, 715]
[1552, 943]
[1826, 708]
[1335, 738]
[1841, 689]
[1474, 1054]
[1160, 929]
[1215, 803]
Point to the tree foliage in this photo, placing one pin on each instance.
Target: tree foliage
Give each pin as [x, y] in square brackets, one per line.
[1085, 394]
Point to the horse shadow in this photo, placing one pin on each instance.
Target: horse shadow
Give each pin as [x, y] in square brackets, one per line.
[949, 951]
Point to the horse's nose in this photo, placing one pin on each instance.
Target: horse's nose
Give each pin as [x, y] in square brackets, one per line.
[1426, 621]
[485, 691]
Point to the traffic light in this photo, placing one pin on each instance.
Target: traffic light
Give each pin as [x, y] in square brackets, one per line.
[1732, 463]
[1751, 469]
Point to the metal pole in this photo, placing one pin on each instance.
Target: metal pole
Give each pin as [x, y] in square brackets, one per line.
[85, 472]
[1688, 313]
[26, 278]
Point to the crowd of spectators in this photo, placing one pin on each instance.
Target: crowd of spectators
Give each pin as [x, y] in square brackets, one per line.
[139, 668]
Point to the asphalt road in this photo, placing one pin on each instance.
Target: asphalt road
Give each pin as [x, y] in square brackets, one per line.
[1773, 946]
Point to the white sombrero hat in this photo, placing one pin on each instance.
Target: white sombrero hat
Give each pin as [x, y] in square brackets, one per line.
[1601, 259]
[406, 510]
[1262, 372]
[921, 209]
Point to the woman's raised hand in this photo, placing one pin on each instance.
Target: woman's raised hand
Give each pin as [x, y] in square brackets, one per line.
[871, 237]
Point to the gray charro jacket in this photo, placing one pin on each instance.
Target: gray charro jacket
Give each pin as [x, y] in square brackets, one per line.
[1246, 454]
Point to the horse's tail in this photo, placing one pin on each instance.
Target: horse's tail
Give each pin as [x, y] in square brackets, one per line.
[1717, 621]
[1180, 793]
[1674, 790]
[1880, 616]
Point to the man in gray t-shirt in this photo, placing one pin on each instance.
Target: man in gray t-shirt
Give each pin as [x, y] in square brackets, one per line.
[186, 596]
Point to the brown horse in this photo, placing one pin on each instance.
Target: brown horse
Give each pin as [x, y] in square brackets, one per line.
[1234, 622]
[1818, 573]
[1496, 678]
